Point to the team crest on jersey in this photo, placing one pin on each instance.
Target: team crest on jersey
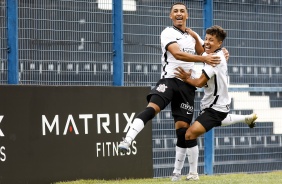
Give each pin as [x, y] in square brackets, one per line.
[161, 88]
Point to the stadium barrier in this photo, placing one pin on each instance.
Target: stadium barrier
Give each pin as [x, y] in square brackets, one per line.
[61, 133]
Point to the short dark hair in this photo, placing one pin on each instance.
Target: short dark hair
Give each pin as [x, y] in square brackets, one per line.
[177, 4]
[218, 31]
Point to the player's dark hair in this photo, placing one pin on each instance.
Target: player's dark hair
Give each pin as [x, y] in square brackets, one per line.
[218, 31]
[178, 3]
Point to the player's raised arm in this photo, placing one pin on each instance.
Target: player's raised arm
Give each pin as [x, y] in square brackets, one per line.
[199, 42]
[210, 59]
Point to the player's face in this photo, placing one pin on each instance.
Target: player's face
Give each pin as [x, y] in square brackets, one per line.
[211, 43]
[179, 15]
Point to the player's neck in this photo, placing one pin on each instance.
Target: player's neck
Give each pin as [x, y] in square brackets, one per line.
[182, 27]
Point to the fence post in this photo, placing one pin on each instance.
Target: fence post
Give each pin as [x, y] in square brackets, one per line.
[209, 136]
[118, 43]
[12, 41]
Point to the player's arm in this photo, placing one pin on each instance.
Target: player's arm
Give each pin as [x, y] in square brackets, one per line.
[186, 77]
[199, 46]
[210, 59]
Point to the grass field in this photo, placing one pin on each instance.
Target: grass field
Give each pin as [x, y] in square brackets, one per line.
[257, 178]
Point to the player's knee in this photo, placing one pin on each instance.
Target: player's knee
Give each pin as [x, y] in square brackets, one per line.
[159, 101]
[189, 135]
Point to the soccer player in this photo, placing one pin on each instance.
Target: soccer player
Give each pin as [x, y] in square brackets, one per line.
[216, 100]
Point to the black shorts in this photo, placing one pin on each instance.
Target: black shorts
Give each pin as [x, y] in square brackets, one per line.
[210, 118]
[181, 96]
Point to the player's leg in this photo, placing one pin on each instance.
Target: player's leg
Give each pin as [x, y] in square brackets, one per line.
[159, 97]
[182, 106]
[180, 154]
[207, 119]
[191, 135]
[155, 105]
[236, 118]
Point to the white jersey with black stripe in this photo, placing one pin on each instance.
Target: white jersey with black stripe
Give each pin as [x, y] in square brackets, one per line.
[186, 44]
[216, 90]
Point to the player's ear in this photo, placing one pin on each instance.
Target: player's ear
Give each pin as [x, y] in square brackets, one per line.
[220, 43]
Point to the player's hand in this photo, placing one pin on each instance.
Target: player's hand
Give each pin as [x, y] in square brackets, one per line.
[191, 32]
[181, 74]
[212, 59]
[226, 53]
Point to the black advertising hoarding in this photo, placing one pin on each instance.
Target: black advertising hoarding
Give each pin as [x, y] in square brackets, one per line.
[59, 133]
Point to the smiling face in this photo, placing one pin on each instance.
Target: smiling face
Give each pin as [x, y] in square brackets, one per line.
[212, 43]
[214, 38]
[179, 15]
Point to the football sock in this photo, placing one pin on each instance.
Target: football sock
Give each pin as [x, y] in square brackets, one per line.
[179, 159]
[232, 119]
[134, 129]
[147, 114]
[193, 154]
[139, 122]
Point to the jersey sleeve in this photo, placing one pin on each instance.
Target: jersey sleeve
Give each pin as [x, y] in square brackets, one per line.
[167, 38]
[208, 70]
